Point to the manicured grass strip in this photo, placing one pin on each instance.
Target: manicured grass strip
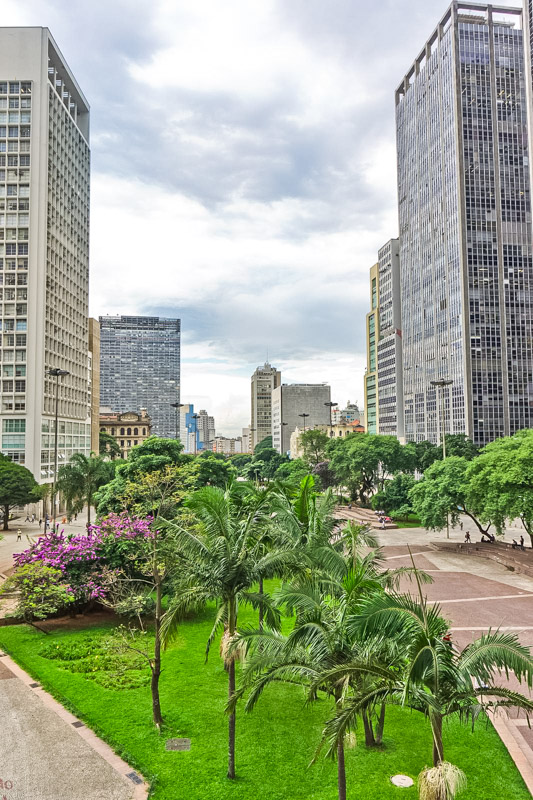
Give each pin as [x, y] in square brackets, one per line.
[275, 743]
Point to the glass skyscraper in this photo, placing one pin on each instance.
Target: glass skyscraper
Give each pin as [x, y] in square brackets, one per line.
[465, 227]
[140, 368]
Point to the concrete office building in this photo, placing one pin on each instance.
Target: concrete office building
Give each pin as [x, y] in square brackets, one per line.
[140, 367]
[227, 445]
[44, 252]
[465, 226]
[372, 337]
[94, 383]
[389, 344]
[264, 380]
[289, 402]
[129, 429]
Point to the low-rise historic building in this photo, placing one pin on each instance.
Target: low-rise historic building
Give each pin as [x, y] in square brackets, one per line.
[128, 429]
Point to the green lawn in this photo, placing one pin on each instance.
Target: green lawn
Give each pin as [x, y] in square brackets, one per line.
[275, 742]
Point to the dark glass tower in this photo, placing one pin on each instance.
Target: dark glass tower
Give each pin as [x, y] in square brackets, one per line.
[140, 368]
[465, 227]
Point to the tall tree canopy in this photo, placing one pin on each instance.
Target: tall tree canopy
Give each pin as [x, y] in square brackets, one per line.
[17, 487]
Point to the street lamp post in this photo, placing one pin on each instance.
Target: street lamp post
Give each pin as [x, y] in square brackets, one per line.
[195, 417]
[177, 406]
[441, 384]
[330, 405]
[304, 416]
[55, 373]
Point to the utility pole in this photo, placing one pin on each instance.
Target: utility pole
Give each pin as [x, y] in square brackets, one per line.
[331, 404]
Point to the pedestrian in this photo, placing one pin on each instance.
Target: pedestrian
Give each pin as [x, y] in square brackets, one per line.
[33, 517]
[522, 543]
[40, 522]
[19, 535]
[75, 516]
[27, 518]
[514, 544]
[461, 525]
[467, 538]
[382, 523]
[63, 521]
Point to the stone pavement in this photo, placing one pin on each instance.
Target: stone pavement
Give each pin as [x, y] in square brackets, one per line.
[47, 754]
[475, 595]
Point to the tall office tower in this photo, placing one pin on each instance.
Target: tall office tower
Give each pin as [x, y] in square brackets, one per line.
[389, 345]
[140, 368]
[44, 252]
[372, 337]
[528, 28]
[297, 405]
[264, 380]
[465, 227]
[205, 426]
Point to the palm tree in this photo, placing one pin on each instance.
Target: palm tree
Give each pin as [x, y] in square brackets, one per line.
[438, 679]
[79, 480]
[321, 641]
[223, 562]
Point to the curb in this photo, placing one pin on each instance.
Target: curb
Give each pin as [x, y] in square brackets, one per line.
[516, 747]
[140, 786]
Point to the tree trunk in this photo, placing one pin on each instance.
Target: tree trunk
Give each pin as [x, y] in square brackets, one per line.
[6, 518]
[261, 609]
[156, 668]
[369, 732]
[89, 500]
[232, 624]
[436, 728]
[341, 771]
[380, 725]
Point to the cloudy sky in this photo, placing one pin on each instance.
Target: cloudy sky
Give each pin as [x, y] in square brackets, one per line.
[243, 174]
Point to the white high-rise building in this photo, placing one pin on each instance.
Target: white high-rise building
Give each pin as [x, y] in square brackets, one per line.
[264, 380]
[44, 252]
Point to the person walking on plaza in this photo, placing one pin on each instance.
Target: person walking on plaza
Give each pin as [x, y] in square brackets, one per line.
[19, 535]
[40, 522]
[522, 543]
[467, 538]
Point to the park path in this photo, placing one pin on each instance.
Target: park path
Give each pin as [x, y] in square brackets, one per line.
[475, 595]
[46, 753]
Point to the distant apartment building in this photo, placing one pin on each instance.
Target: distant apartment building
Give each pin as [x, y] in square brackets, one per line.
[372, 338]
[245, 439]
[205, 426]
[44, 253]
[128, 429]
[463, 121]
[297, 405]
[264, 380]
[188, 429]
[227, 445]
[336, 431]
[389, 344]
[140, 367]
[350, 413]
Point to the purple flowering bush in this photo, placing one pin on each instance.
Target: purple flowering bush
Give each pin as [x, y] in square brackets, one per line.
[82, 561]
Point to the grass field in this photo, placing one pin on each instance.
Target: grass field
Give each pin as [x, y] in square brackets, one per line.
[275, 743]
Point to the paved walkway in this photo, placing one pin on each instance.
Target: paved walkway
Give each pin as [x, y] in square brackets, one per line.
[47, 754]
[475, 595]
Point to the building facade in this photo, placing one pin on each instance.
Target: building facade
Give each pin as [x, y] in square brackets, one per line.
[140, 367]
[44, 253]
[205, 427]
[465, 227]
[264, 380]
[336, 431]
[389, 345]
[372, 338]
[188, 429]
[228, 446]
[290, 402]
[128, 429]
[94, 382]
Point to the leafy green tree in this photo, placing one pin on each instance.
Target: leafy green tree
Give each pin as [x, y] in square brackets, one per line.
[214, 471]
[394, 498]
[108, 445]
[153, 454]
[325, 475]
[264, 444]
[438, 679]
[419, 456]
[458, 444]
[501, 481]
[240, 461]
[17, 487]
[445, 489]
[293, 471]
[41, 591]
[362, 461]
[223, 561]
[313, 443]
[80, 479]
